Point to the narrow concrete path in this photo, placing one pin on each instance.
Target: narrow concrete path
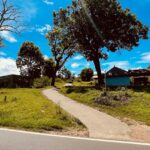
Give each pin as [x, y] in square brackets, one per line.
[99, 124]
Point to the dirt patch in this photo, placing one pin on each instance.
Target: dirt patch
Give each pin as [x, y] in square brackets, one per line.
[140, 133]
[71, 132]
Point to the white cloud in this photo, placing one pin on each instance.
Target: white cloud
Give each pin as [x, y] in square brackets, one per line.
[79, 57]
[8, 36]
[48, 2]
[42, 30]
[3, 54]
[120, 64]
[75, 65]
[95, 73]
[8, 66]
[87, 64]
[145, 58]
[137, 68]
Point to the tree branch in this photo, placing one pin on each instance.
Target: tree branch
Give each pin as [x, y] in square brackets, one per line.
[9, 17]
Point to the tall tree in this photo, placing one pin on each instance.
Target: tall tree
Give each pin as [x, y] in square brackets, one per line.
[86, 74]
[97, 25]
[61, 46]
[49, 67]
[9, 18]
[30, 61]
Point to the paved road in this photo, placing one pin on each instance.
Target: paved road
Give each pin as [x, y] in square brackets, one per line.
[18, 140]
[99, 124]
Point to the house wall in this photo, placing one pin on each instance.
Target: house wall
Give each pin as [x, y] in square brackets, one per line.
[118, 81]
[13, 81]
[133, 79]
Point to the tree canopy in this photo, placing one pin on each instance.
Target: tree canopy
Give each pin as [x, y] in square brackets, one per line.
[49, 68]
[61, 46]
[30, 61]
[65, 73]
[96, 25]
[86, 74]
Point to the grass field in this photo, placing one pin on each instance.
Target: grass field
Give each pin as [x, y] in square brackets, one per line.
[138, 107]
[28, 109]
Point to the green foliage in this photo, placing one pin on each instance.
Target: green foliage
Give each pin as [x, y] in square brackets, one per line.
[136, 107]
[59, 82]
[70, 80]
[114, 99]
[49, 68]
[64, 73]
[29, 109]
[62, 47]
[91, 16]
[30, 61]
[96, 25]
[41, 82]
[86, 74]
[78, 79]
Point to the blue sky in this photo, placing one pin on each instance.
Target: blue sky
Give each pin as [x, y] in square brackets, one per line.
[37, 17]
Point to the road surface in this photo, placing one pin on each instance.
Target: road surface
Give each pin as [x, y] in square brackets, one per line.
[99, 124]
[21, 140]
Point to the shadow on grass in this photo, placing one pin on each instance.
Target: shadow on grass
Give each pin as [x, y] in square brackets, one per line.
[79, 89]
[141, 89]
[85, 89]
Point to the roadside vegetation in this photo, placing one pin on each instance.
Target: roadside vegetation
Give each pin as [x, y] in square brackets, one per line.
[81, 29]
[92, 29]
[136, 104]
[28, 109]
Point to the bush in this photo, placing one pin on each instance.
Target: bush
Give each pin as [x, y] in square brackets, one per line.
[59, 80]
[103, 99]
[86, 74]
[69, 90]
[69, 81]
[113, 99]
[41, 82]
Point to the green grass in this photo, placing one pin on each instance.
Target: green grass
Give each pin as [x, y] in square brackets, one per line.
[138, 108]
[29, 109]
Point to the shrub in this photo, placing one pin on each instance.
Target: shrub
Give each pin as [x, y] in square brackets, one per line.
[59, 80]
[69, 81]
[103, 100]
[69, 90]
[86, 74]
[41, 82]
[113, 98]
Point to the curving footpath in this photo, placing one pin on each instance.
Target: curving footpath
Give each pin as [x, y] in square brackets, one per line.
[99, 124]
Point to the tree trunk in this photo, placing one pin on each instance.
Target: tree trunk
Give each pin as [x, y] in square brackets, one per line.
[53, 79]
[98, 70]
